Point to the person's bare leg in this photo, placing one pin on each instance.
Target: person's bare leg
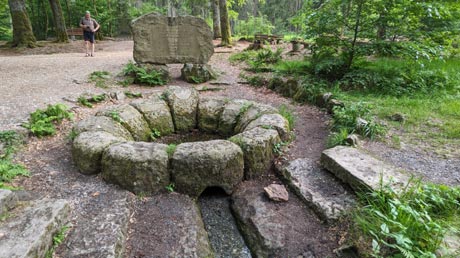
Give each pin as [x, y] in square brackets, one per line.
[92, 49]
[87, 48]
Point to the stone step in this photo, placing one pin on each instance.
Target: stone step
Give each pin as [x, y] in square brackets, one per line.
[318, 189]
[29, 228]
[100, 229]
[7, 200]
[361, 170]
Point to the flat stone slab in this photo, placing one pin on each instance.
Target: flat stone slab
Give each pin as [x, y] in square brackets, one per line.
[168, 40]
[168, 225]
[254, 111]
[361, 170]
[7, 200]
[29, 231]
[318, 189]
[102, 230]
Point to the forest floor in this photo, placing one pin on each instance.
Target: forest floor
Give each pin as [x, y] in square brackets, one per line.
[57, 73]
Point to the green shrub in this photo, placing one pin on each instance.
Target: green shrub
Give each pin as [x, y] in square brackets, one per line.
[42, 122]
[242, 56]
[356, 118]
[337, 138]
[142, 76]
[264, 60]
[10, 170]
[88, 102]
[253, 26]
[10, 141]
[293, 68]
[410, 223]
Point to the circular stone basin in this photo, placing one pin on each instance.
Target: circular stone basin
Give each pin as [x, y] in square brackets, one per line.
[116, 142]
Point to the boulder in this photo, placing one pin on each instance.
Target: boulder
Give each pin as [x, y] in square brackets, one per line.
[209, 113]
[166, 40]
[197, 73]
[361, 170]
[272, 121]
[139, 167]
[131, 119]
[102, 124]
[198, 165]
[157, 114]
[257, 145]
[253, 112]
[7, 200]
[87, 150]
[183, 103]
[277, 193]
[230, 115]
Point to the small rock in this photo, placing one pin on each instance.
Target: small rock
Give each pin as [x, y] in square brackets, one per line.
[397, 117]
[117, 95]
[361, 123]
[332, 103]
[277, 193]
[323, 99]
[353, 140]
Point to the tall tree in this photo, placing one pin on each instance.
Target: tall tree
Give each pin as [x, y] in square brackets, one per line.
[22, 29]
[216, 19]
[59, 22]
[225, 23]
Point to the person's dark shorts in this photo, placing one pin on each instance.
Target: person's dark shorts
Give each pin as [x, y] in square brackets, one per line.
[88, 36]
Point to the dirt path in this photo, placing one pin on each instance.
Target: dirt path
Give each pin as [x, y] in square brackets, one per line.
[30, 81]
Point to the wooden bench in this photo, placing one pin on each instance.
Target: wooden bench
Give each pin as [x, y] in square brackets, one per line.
[72, 32]
[272, 39]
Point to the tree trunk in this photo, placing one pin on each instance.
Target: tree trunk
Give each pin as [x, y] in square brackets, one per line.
[216, 19]
[59, 22]
[225, 24]
[22, 29]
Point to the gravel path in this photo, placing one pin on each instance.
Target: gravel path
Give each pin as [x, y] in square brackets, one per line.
[29, 82]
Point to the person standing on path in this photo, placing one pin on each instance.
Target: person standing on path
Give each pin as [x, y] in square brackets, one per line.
[89, 26]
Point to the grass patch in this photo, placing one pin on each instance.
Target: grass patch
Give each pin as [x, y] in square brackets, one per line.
[411, 223]
[171, 149]
[100, 78]
[288, 114]
[292, 68]
[42, 122]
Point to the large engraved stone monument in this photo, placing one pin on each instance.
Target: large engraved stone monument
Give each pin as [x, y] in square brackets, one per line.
[164, 40]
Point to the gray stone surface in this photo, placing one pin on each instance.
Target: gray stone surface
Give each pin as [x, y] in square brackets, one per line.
[166, 40]
[139, 167]
[257, 145]
[231, 114]
[168, 225]
[102, 229]
[131, 119]
[28, 231]
[198, 165]
[253, 112]
[7, 200]
[277, 193]
[318, 188]
[87, 150]
[450, 245]
[183, 103]
[157, 114]
[209, 113]
[102, 124]
[272, 121]
[361, 170]
[197, 73]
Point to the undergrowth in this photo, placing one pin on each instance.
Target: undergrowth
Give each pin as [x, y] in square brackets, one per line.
[100, 78]
[140, 75]
[408, 223]
[8, 168]
[42, 122]
[88, 102]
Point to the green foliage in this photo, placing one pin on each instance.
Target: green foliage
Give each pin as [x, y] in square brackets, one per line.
[242, 56]
[264, 60]
[288, 114]
[88, 102]
[9, 170]
[42, 122]
[254, 25]
[100, 78]
[115, 115]
[356, 118]
[409, 223]
[57, 240]
[142, 76]
[6, 32]
[170, 187]
[338, 138]
[171, 149]
[10, 141]
[278, 148]
[132, 95]
[292, 68]
[155, 134]
[135, 11]
[255, 80]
